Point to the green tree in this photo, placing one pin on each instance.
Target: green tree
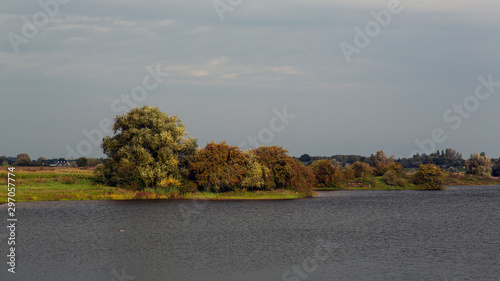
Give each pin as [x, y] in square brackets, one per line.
[148, 150]
[495, 171]
[41, 161]
[258, 176]
[429, 176]
[23, 159]
[361, 170]
[82, 162]
[4, 161]
[305, 158]
[478, 164]
[91, 162]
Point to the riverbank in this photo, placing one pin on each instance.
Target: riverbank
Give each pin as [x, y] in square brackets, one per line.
[450, 179]
[73, 184]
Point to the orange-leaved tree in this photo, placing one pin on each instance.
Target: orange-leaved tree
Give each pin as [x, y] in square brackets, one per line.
[219, 167]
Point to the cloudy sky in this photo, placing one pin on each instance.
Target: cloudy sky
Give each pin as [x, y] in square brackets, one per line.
[409, 73]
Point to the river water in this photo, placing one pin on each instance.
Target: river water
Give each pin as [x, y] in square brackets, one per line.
[451, 234]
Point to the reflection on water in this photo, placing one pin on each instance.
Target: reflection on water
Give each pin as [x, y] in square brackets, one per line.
[341, 235]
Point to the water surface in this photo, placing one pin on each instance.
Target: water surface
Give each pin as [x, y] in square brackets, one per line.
[341, 235]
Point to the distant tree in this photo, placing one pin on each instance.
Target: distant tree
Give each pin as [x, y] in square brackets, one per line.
[379, 159]
[429, 176]
[92, 162]
[23, 160]
[478, 165]
[41, 161]
[149, 149]
[305, 158]
[83, 162]
[73, 164]
[4, 161]
[361, 170]
[219, 167]
[496, 168]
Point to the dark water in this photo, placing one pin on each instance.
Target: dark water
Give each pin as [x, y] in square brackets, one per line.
[344, 235]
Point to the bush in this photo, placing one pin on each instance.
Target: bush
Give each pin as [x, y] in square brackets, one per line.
[429, 176]
[392, 178]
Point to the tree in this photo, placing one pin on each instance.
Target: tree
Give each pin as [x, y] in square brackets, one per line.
[23, 160]
[305, 158]
[149, 149]
[478, 164]
[496, 168]
[4, 161]
[361, 170]
[82, 162]
[219, 167]
[258, 176]
[327, 175]
[41, 161]
[287, 172]
[92, 162]
[429, 176]
[379, 159]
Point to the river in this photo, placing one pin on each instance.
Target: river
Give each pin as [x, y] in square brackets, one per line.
[451, 234]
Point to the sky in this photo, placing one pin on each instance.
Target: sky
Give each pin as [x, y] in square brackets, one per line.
[317, 77]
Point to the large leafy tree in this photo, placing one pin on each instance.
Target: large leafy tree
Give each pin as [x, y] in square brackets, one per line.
[478, 164]
[23, 160]
[149, 149]
[219, 166]
[287, 172]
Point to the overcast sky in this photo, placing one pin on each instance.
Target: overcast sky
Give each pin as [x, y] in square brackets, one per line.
[235, 66]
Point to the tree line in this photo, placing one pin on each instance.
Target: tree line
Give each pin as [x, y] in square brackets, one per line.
[150, 149]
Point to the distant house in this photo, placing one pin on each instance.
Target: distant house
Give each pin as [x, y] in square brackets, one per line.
[61, 163]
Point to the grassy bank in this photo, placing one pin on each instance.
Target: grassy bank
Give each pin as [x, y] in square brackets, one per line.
[378, 183]
[57, 184]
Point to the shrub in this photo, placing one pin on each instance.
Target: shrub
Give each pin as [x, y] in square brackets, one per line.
[392, 178]
[429, 176]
